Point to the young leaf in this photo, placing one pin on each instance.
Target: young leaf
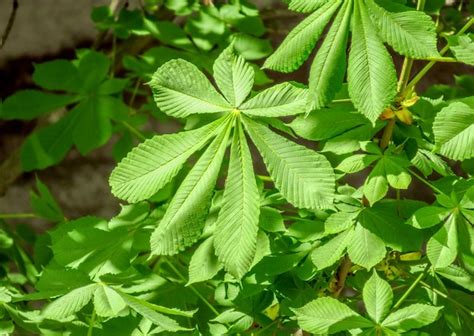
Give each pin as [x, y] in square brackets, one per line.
[184, 219]
[365, 248]
[371, 74]
[329, 65]
[70, 303]
[453, 129]
[237, 222]
[204, 264]
[378, 297]
[154, 163]
[411, 317]
[107, 302]
[304, 178]
[280, 100]
[299, 43]
[181, 89]
[234, 76]
[410, 32]
[327, 316]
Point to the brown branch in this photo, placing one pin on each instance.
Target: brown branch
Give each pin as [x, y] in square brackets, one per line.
[10, 22]
[342, 273]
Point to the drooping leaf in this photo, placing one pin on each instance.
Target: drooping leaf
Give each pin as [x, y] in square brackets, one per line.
[327, 315]
[280, 100]
[299, 43]
[371, 74]
[304, 178]
[237, 222]
[378, 297]
[453, 129]
[329, 65]
[184, 218]
[154, 163]
[181, 89]
[234, 76]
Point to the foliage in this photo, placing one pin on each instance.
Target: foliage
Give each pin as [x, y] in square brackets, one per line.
[332, 241]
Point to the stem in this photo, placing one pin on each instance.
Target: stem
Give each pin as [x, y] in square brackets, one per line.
[10, 22]
[134, 131]
[425, 181]
[198, 294]
[387, 133]
[411, 288]
[344, 270]
[443, 51]
[91, 323]
[445, 296]
[17, 215]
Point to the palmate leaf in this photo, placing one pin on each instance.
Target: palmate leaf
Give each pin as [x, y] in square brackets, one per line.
[237, 223]
[328, 254]
[453, 129]
[305, 178]
[299, 43]
[410, 32]
[327, 316]
[329, 65]
[184, 218]
[233, 76]
[280, 100]
[181, 89]
[411, 317]
[442, 247]
[365, 248]
[154, 163]
[371, 73]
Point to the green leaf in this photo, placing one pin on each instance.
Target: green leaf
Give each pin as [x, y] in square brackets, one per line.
[237, 222]
[233, 76]
[457, 275]
[410, 32]
[412, 317]
[428, 216]
[93, 69]
[327, 316]
[271, 220]
[378, 297]
[453, 129]
[184, 218]
[107, 302]
[376, 185]
[181, 89]
[356, 163]
[299, 43]
[147, 310]
[57, 75]
[70, 303]
[329, 65]
[306, 6]
[154, 163]
[48, 145]
[339, 221]
[371, 74]
[397, 176]
[44, 204]
[280, 100]
[204, 264]
[365, 248]
[304, 177]
[328, 254]
[30, 104]
[442, 246]
[462, 47]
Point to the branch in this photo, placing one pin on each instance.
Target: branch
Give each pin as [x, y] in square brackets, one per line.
[9, 26]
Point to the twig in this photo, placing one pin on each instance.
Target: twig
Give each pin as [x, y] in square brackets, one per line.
[10, 22]
[342, 273]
